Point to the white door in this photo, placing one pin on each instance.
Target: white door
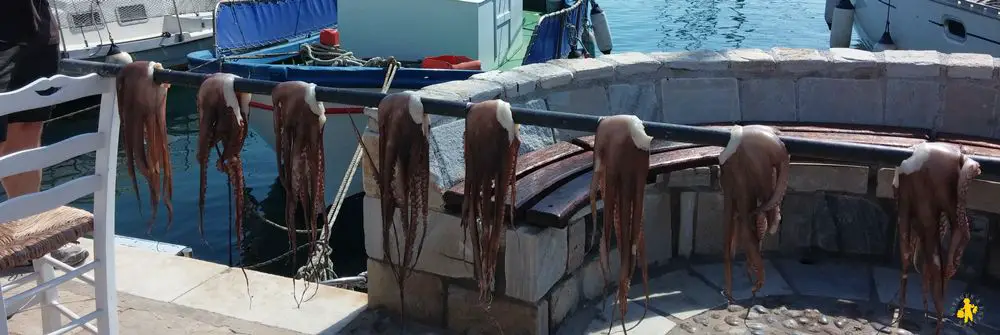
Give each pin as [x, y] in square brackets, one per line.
[503, 29]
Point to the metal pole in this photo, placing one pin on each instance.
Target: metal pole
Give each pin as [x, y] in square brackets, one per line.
[801, 147]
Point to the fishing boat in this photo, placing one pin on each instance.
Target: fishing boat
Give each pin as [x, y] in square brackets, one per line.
[278, 40]
[163, 31]
[950, 26]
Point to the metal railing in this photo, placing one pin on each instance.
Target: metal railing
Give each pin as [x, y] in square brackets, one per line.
[800, 147]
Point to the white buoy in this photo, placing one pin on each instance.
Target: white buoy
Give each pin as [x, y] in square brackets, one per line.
[843, 25]
[602, 33]
[885, 42]
[117, 56]
[828, 13]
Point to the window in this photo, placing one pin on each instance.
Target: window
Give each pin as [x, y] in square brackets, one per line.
[81, 20]
[131, 13]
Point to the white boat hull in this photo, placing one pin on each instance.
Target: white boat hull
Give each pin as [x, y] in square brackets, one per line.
[924, 25]
[339, 138]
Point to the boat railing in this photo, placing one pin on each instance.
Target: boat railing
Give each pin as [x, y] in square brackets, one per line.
[557, 33]
[796, 146]
[83, 15]
[990, 8]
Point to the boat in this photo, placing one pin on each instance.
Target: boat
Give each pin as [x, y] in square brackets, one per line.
[284, 44]
[163, 31]
[949, 26]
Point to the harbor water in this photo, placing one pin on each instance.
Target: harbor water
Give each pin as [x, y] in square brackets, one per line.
[636, 25]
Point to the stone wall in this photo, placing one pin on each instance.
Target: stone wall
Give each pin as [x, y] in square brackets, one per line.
[845, 210]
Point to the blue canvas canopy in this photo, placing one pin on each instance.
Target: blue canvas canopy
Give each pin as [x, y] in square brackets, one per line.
[250, 24]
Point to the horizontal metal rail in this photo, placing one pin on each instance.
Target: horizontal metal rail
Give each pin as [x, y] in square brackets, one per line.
[800, 147]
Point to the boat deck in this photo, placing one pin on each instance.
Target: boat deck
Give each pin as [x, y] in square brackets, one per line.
[515, 56]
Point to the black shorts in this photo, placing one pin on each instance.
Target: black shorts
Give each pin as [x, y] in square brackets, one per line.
[19, 66]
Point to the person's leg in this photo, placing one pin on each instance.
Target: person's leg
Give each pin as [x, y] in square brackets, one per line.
[24, 131]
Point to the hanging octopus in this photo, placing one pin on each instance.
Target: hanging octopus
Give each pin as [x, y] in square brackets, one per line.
[928, 185]
[222, 119]
[142, 108]
[490, 135]
[298, 137]
[621, 164]
[754, 177]
[403, 175]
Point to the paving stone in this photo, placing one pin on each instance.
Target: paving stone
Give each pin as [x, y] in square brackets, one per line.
[564, 299]
[678, 293]
[887, 284]
[969, 108]
[912, 63]
[852, 282]
[444, 251]
[628, 64]
[912, 103]
[636, 99]
[549, 76]
[767, 100]
[467, 316]
[652, 324]
[514, 84]
[701, 60]
[847, 101]
[798, 60]
[586, 69]
[534, 259]
[700, 100]
[473, 90]
[991, 297]
[807, 177]
[774, 284]
[970, 65]
[424, 293]
[752, 60]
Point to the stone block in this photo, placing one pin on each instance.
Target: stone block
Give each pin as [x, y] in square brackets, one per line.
[473, 90]
[701, 60]
[679, 293]
[657, 226]
[549, 76]
[640, 100]
[425, 294]
[586, 69]
[591, 100]
[700, 100]
[445, 251]
[854, 63]
[808, 177]
[847, 101]
[514, 84]
[564, 299]
[912, 103]
[437, 120]
[912, 63]
[628, 64]
[369, 182]
[993, 268]
[447, 154]
[576, 244]
[750, 60]
[594, 276]
[774, 283]
[799, 61]
[610, 313]
[767, 100]
[837, 223]
[969, 108]
[535, 137]
[689, 209]
[884, 186]
[467, 316]
[695, 177]
[969, 65]
[796, 228]
[983, 196]
[534, 260]
[709, 227]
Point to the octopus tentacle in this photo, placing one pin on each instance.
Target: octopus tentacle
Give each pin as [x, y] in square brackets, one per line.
[142, 110]
[490, 133]
[222, 115]
[621, 160]
[753, 175]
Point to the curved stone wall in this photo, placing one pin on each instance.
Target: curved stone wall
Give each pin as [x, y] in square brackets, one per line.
[547, 273]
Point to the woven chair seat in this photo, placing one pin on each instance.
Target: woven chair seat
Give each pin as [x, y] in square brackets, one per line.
[32, 237]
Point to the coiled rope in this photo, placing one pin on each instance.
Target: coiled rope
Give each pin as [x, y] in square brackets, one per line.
[324, 55]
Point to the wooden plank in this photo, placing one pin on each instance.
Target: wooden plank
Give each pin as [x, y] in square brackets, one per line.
[657, 146]
[859, 137]
[973, 145]
[537, 183]
[525, 164]
[556, 208]
[683, 159]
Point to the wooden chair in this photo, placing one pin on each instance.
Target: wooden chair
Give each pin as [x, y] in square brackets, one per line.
[36, 224]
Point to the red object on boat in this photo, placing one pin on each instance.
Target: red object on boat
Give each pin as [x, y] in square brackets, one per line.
[329, 37]
[451, 62]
